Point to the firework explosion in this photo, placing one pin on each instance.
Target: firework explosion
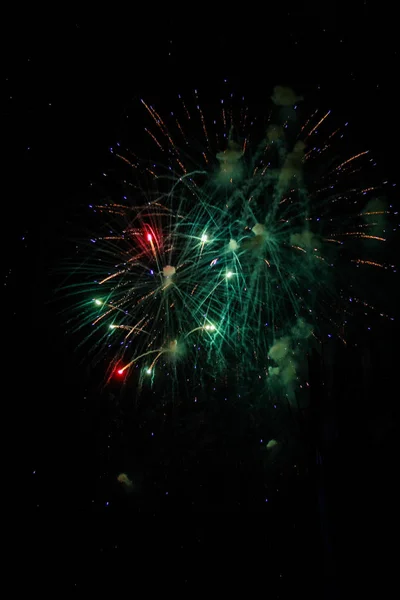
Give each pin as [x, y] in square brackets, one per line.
[225, 255]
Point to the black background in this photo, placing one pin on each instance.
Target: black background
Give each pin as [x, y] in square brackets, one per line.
[69, 82]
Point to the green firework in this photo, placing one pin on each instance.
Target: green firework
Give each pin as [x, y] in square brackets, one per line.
[229, 253]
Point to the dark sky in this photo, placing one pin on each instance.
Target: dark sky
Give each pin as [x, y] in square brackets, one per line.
[68, 83]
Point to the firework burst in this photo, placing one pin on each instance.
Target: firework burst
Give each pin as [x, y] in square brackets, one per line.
[228, 253]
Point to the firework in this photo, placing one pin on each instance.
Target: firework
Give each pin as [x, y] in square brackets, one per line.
[228, 253]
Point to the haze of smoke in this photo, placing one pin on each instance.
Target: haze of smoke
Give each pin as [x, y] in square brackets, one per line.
[280, 349]
[271, 444]
[230, 165]
[126, 483]
[273, 448]
[292, 170]
[284, 96]
[376, 222]
[284, 353]
[274, 133]
[302, 330]
[306, 239]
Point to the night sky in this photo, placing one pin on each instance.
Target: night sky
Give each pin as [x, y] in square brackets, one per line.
[70, 85]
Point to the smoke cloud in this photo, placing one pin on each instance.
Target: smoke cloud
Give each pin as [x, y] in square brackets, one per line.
[292, 170]
[230, 165]
[306, 239]
[286, 354]
[284, 96]
[375, 216]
